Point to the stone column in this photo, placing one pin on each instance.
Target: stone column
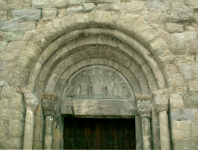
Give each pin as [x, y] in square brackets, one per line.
[31, 103]
[144, 109]
[49, 105]
[161, 106]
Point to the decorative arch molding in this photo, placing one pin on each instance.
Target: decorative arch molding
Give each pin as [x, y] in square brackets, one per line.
[44, 44]
[121, 36]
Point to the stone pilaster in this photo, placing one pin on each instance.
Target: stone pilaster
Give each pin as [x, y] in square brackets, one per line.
[49, 105]
[144, 110]
[161, 106]
[31, 103]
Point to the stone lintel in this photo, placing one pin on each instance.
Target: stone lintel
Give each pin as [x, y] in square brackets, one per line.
[142, 97]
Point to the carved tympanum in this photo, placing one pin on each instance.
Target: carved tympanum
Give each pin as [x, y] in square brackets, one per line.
[98, 82]
[50, 104]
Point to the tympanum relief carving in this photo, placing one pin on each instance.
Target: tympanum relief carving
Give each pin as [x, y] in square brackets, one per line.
[98, 82]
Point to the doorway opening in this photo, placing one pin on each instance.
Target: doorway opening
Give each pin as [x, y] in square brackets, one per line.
[82, 133]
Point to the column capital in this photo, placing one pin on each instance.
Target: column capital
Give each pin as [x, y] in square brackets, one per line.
[49, 104]
[160, 102]
[31, 101]
[144, 104]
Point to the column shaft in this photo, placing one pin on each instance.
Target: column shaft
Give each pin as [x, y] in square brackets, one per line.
[164, 131]
[48, 131]
[146, 133]
[29, 128]
[138, 130]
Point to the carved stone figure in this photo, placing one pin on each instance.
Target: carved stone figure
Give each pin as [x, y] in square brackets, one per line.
[98, 82]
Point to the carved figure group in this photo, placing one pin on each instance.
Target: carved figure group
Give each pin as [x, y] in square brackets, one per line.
[97, 83]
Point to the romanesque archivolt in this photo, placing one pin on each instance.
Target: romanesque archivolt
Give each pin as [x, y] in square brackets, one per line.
[98, 82]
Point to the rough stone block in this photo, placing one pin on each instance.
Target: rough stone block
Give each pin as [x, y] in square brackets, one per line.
[187, 72]
[3, 15]
[195, 114]
[185, 37]
[132, 7]
[14, 36]
[27, 26]
[76, 9]
[108, 7]
[176, 105]
[180, 130]
[9, 25]
[38, 145]
[16, 128]
[3, 46]
[76, 2]
[102, 1]
[61, 13]
[2, 36]
[14, 4]
[191, 100]
[195, 72]
[40, 3]
[185, 15]
[4, 128]
[89, 6]
[49, 13]
[186, 114]
[178, 48]
[12, 143]
[192, 47]
[194, 129]
[173, 27]
[26, 14]
[193, 85]
[2, 5]
[27, 4]
[151, 16]
[2, 66]
[157, 5]
[158, 45]
[59, 3]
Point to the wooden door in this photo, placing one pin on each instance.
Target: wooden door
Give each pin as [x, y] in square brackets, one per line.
[99, 133]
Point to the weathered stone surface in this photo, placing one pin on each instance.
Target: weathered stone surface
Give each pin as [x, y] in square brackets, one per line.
[3, 46]
[76, 2]
[59, 3]
[185, 37]
[191, 100]
[13, 4]
[89, 6]
[187, 71]
[102, 1]
[186, 114]
[173, 27]
[104, 107]
[176, 102]
[75, 9]
[14, 36]
[16, 128]
[2, 66]
[192, 47]
[49, 13]
[132, 7]
[3, 15]
[180, 130]
[158, 5]
[40, 4]
[2, 36]
[26, 14]
[2, 5]
[178, 48]
[193, 85]
[108, 7]
[27, 26]
[9, 25]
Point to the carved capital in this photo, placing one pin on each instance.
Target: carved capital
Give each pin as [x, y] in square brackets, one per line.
[144, 105]
[50, 104]
[160, 102]
[31, 101]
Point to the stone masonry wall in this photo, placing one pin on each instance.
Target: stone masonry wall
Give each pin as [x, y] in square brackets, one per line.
[175, 21]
